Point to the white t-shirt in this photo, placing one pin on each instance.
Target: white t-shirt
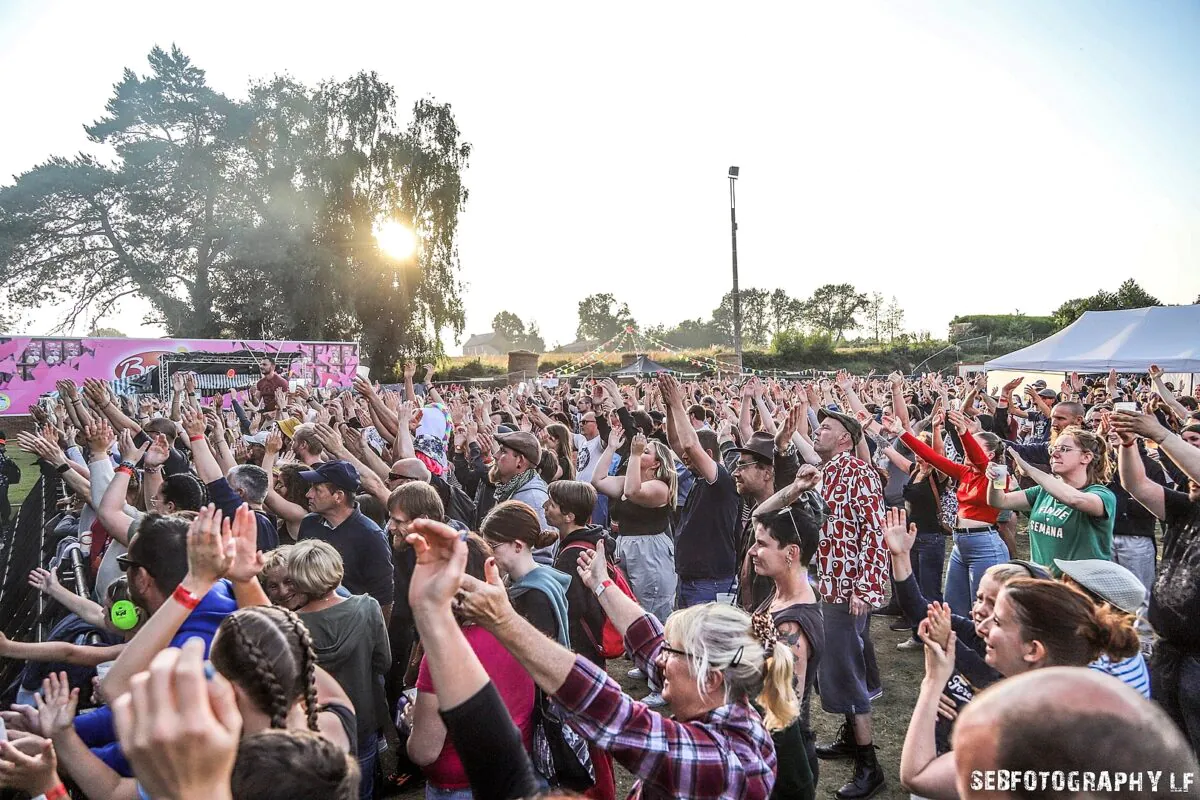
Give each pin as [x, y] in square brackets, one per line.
[587, 456]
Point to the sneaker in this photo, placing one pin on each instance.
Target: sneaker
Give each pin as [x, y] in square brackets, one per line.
[636, 674]
[911, 644]
[900, 625]
[892, 609]
[654, 700]
[878, 693]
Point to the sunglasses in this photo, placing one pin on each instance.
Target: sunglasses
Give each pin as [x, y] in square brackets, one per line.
[394, 477]
[124, 562]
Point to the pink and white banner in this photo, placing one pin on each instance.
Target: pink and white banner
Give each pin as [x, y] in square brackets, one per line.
[29, 366]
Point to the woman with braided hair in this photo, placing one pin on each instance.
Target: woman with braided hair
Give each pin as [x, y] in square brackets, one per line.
[266, 653]
[349, 638]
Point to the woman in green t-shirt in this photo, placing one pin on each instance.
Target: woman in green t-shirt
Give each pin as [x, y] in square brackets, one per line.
[1071, 511]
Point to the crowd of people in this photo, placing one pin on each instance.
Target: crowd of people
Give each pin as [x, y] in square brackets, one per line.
[280, 582]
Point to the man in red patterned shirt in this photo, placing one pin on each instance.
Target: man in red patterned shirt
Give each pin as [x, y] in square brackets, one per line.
[852, 567]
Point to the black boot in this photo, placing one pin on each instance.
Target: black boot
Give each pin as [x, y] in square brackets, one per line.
[841, 747]
[868, 775]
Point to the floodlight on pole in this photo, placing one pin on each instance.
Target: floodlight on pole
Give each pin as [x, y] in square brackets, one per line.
[737, 299]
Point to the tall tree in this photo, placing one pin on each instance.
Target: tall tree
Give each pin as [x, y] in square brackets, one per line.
[601, 317]
[756, 320]
[876, 316]
[786, 312]
[250, 218]
[1128, 295]
[833, 309]
[508, 325]
[893, 320]
[512, 328]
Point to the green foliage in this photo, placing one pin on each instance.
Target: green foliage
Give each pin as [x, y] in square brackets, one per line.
[250, 218]
[755, 304]
[1014, 326]
[1128, 295]
[109, 332]
[692, 334]
[833, 309]
[513, 329]
[601, 317]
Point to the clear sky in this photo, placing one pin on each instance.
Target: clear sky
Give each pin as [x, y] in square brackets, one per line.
[972, 157]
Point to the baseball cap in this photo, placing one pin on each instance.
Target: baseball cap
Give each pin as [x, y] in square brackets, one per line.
[341, 474]
[850, 423]
[522, 442]
[1107, 580]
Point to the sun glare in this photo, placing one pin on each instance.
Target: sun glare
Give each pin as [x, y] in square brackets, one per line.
[396, 239]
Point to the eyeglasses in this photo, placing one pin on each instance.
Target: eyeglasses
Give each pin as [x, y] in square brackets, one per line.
[673, 651]
[1063, 449]
[124, 562]
[394, 477]
[741, 465]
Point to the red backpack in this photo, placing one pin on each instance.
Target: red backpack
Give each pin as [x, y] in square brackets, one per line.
[611, 645]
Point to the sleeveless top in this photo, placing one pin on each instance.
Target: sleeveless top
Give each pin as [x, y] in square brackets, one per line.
[630, 519]
[808, 617]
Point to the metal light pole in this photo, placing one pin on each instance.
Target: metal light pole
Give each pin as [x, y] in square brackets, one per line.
[737, 298]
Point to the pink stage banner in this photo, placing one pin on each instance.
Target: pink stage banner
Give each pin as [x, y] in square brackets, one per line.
[29, 366]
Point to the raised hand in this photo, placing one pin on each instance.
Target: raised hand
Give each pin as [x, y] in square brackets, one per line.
[1135, 423]
[892, 425]
[939, 623]
[29, 764]
[441, 564]
[130, 451]
[44, 580]
[485, 602]
[210, 550]
[248, 560]
[99, 436]
[616, 438]
[637, 446]
[939, 659]
[898, 533]
[56, 704]
[179, 730]
[593, 566]
[410, 369]
[807, 478]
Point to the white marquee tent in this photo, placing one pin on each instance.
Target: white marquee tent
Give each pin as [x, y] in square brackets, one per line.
[1127, 341]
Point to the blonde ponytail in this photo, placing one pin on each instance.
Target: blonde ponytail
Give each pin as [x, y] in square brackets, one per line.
[778, 698]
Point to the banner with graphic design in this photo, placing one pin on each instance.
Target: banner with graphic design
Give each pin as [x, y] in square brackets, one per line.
[30, 365]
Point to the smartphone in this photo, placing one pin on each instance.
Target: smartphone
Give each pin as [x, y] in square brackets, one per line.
[1125, 406]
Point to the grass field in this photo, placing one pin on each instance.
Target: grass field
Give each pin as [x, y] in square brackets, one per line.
[29, 475]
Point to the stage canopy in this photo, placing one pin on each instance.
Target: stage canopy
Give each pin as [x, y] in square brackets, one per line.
[1127, 341]
[642, 365]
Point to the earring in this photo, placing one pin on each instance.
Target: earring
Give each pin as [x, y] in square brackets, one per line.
[789, 560]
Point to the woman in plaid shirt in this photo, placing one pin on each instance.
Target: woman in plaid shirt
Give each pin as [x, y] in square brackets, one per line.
[713, 662]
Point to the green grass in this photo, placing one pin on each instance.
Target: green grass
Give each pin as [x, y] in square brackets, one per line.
[29, 475]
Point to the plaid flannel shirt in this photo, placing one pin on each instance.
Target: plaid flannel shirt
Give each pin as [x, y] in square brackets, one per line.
[726, 753]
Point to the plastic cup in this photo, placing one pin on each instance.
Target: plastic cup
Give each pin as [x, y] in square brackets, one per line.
[1000, 476]
[102, 669]
[725, 598]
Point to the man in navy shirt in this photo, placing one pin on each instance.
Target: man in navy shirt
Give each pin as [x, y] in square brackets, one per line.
[335, 518]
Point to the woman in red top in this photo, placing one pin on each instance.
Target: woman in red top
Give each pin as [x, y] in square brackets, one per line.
[977, 542]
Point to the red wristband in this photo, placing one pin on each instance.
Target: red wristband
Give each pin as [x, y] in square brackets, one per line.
[196, 438]
[57, 792]
[185, 598]
[124, 469]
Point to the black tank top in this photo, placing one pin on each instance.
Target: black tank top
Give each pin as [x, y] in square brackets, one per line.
[633, 520]
[808, 617]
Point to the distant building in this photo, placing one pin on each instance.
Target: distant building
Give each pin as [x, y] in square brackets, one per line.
[577, 346]
[486, 344]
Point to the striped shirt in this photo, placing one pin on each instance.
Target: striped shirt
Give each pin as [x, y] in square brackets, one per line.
[1130, 671]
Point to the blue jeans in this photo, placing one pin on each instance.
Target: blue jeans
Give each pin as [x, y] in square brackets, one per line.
[972, 555]
[928, 557]
[701, 590]
[368, 752]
